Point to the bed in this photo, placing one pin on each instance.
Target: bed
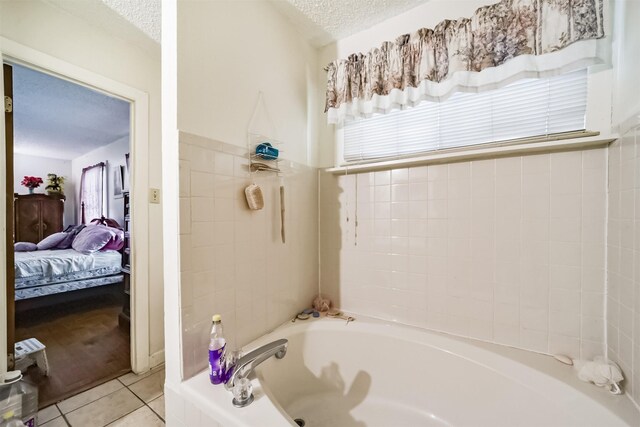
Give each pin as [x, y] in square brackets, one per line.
[41, 273]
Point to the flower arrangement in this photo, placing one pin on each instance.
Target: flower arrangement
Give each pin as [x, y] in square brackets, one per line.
[55, 183]
[31, 182]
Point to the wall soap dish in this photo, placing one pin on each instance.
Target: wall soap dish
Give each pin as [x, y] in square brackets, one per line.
[267, 151]
[256, 167]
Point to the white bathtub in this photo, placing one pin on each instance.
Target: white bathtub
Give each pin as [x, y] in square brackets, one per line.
[372, 373]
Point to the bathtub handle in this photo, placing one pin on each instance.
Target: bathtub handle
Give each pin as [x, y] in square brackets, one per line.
[247, 363]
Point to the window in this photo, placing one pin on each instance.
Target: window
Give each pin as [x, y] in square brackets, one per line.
[527, 108]
[92, 194]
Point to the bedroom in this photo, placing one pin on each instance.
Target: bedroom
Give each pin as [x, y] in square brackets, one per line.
[71, 232]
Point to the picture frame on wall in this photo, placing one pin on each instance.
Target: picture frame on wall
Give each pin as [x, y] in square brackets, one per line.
[118, 180]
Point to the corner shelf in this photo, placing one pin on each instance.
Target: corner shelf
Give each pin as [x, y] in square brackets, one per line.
[272, 164]
[257, 162]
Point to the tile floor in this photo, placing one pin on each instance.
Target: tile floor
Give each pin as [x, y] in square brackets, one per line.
[130, 400]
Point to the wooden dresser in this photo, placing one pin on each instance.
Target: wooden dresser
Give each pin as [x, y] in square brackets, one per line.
[37, 216]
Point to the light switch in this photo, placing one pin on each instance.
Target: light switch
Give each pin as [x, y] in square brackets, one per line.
[154, 195]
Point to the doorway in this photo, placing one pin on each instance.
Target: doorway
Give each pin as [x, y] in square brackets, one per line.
[13, 52]
[69, 302]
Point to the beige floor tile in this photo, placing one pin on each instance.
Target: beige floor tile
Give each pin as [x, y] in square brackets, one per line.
[158, 406]
[56, 422]
[149, 388]
[89, 396]
[131, 378]
[48, 413]
[143, 417]
[105, 410]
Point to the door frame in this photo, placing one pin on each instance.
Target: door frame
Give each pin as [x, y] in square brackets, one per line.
[16, 53]
[8, 209]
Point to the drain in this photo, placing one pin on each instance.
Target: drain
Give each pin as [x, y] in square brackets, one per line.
[300, 422]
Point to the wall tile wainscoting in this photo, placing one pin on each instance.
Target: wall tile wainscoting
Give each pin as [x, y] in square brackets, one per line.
[233, 261]
[623, 258]
[507, 250]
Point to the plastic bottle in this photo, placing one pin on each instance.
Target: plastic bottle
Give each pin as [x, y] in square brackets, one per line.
[29, 394]
[217, 346]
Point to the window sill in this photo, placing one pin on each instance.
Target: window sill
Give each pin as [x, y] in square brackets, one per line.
[585, 140]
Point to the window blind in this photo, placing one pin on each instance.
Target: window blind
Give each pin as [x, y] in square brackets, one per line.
[526, 108]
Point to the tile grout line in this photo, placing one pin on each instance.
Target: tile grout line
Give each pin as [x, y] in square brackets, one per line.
[152, 410]
[64, 416]
[143, 405]
[128, 413]
[88, 403]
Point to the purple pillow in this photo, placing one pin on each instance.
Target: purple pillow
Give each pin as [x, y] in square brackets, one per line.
[50, 242]
[92, 238]
[72, 232]
[117, 241]
[25, 247]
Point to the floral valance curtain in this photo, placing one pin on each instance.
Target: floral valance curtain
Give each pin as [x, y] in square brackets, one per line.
[509, 40]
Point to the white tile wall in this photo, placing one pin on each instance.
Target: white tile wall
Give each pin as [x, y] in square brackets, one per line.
[508, 250]
[232, 259]
[623, 261]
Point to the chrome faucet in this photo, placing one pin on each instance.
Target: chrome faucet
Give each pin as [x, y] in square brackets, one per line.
[247, 363]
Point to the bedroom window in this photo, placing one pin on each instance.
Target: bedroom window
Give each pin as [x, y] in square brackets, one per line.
[526, 108]
[92, 192]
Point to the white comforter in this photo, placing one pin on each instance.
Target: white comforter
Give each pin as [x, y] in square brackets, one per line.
[60, 262]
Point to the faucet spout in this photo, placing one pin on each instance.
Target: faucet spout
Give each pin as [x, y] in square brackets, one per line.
[247, 363]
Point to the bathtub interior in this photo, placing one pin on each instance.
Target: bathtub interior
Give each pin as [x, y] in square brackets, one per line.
[353, 378]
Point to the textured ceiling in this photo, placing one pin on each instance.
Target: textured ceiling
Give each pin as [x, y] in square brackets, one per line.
[342, 18]
[59, 119]
[320, 21]
[144, 14]
[130, 21]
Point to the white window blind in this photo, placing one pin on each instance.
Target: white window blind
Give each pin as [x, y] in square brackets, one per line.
[526, 108]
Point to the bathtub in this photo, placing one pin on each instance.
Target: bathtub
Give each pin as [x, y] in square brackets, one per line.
[371, 373]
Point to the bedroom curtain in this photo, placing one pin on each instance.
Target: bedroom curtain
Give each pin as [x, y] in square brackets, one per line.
[499, 44]
[92, 192]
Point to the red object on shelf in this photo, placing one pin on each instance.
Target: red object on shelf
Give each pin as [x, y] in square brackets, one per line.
[31, 181]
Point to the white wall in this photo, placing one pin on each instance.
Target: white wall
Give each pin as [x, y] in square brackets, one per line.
[52, 31]
[114, 157]
[229, 51]
[232, 260]
[24, 164]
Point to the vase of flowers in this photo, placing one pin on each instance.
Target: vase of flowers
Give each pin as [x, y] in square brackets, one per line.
[31, 182]
[55, 184]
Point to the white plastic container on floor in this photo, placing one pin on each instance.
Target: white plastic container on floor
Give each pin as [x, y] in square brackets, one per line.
[18, 401]
[29, 393]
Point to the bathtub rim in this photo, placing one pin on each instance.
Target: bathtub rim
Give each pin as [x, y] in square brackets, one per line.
[514, 363]
[551, 375]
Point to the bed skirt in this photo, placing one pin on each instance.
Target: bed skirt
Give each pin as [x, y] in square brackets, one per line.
[58, 288]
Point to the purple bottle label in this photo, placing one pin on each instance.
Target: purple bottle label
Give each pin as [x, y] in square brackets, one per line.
[228, 372]
[29, 422]
[216, 365]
